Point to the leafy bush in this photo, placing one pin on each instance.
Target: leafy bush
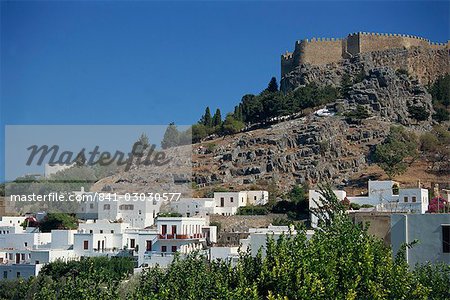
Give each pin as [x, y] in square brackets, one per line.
[366, 206]
[58, 221]
[400, 72]
[419, 113]
[440, 92]
[359, 113]
[391, 155]
[252, 210]
[441, 115]
[356, 266]
[169, 215]
[355, 206]
[106, 268]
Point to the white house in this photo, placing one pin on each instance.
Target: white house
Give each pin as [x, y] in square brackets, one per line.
[431, 231]
[180, 234]
[258, 237]
[315, 199]
[147, 246]
[384, 196]
[223, 203]
[194, 207]
[11, 224]
[22, 254]
[138, 211]
[227, 203]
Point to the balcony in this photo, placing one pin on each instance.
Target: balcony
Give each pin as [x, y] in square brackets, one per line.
[181, 236]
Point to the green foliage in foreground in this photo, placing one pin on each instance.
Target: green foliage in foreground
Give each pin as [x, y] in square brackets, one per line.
[90, 278]
[341, 261]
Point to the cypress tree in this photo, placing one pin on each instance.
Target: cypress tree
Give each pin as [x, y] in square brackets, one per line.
[273, 85]
[217, 118]
[207, 120]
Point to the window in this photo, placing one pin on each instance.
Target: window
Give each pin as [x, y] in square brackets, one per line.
[405, 199]
[18, 274]
[112, 231]
[106, 206]
[5, 274]
[22, 256]
[26, 244]
[174, 229]
[254, 198]
[126, 207]
[37, 262]
[231, 199]
[90, 231]
[86, 245]
[148, 245]
[222, 202]
[101, 231]
[140, 212]
[132, 243]
[164, 229]
[174, 248]
[91, 206]
[446, 238]
[163, 248]
[414, 199]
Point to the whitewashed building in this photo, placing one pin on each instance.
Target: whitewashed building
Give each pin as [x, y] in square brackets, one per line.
[137, 210]
[227, 203]
[22, 254]
[258, 237]
[223, 203]
[384, 196]
[194, 207]
[430, 231]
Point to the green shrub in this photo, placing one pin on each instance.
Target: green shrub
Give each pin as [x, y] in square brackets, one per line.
[419, 113]
[359, 113]
[252, 210]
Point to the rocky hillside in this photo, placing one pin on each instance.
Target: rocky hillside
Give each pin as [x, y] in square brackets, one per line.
[383, 91]
[305, 149]
[310, 147]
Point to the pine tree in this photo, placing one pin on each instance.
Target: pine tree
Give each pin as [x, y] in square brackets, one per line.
[217, 118]
[143, 139]
[171, 137]
[273, 85]
[207, 120]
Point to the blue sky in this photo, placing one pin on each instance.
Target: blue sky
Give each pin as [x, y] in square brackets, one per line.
[114, 62]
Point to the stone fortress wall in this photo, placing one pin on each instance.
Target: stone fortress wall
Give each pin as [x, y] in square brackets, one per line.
[418, 55]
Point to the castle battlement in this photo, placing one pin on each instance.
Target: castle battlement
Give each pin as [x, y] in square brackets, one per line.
[322, 50]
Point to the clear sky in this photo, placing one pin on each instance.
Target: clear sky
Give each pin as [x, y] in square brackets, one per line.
[114, 62]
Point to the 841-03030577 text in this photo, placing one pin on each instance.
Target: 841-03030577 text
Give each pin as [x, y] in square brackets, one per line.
[96, 196]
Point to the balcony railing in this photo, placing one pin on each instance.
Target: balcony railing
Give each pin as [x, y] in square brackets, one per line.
[181, 236]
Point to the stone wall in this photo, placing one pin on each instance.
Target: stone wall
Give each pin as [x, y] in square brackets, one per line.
[318, 51]
[369, 42]
[379, 224]
[419, 56]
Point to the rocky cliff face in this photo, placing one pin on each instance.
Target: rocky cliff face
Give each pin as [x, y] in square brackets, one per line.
[383, 91]
[308, 149]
